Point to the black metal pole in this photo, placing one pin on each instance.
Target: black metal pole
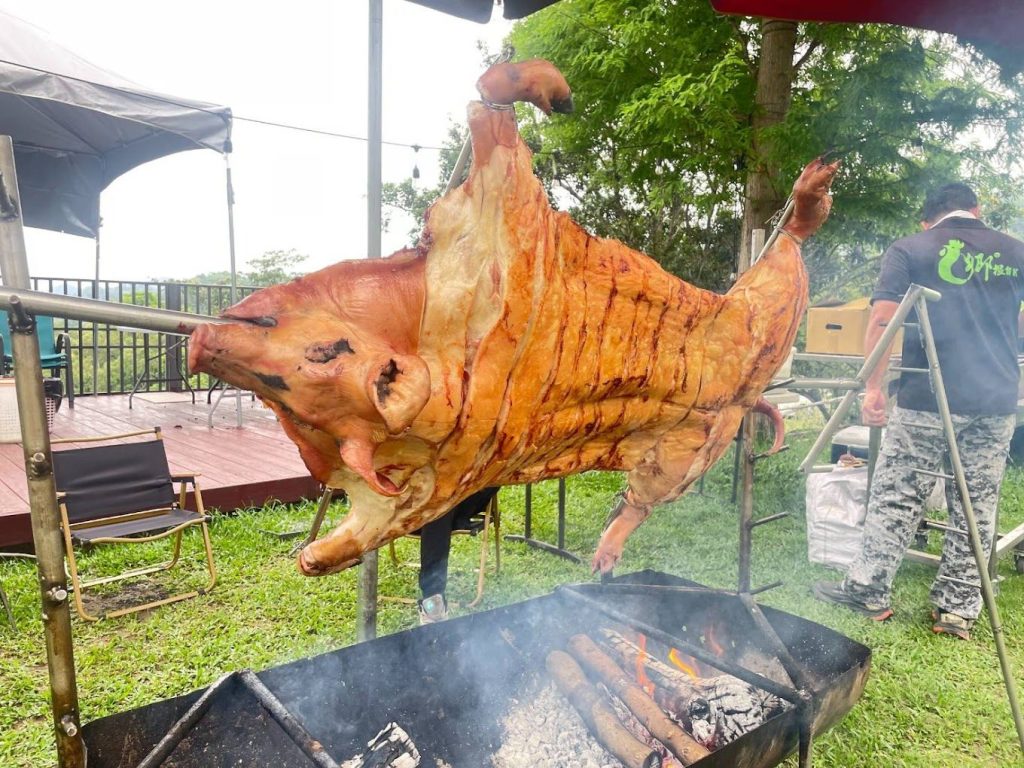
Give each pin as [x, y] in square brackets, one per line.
[366, 599]
[312, 748]
[180, 729]
[528, 524]
[42, 494]
[561, 513]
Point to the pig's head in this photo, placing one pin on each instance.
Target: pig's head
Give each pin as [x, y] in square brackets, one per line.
[334, 354]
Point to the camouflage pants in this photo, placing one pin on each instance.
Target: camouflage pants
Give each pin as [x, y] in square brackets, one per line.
[897, 499]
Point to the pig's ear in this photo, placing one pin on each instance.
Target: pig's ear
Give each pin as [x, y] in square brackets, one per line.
[398, 387]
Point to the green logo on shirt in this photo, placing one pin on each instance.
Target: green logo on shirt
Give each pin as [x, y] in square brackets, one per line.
[969, 265]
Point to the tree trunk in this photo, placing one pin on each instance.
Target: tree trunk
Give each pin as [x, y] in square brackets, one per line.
[775, 71]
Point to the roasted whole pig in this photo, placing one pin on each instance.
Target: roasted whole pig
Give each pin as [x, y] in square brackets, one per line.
[508, 347]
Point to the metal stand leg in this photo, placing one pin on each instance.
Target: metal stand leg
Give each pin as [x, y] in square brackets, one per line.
[318, 520]
[980, 557]
[527, 537]
[46, 533]
[917, 297]
[7, 607]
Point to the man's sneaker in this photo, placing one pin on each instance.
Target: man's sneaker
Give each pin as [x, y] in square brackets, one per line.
[833, 592]
[951, 624]
[433, 609]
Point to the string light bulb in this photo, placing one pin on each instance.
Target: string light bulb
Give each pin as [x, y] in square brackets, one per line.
[415, 164]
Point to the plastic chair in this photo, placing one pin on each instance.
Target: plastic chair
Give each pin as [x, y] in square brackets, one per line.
[54, 352]
[123, 494]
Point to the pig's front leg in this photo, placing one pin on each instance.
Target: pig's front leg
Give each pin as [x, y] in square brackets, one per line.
[625, 518]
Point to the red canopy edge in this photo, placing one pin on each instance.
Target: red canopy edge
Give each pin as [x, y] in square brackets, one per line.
[994, 26]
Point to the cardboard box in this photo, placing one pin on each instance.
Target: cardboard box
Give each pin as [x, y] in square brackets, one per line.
[839, 330]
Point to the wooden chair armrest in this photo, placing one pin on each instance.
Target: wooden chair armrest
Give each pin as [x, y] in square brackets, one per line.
[185, 476]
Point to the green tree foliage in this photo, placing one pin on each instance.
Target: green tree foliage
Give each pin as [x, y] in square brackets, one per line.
[412, 197]
[659, 147]
[269, 268]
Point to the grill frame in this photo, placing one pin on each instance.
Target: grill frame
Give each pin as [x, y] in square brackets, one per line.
[450, 684]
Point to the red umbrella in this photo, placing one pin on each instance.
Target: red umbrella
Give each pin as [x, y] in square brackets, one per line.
[993, 26]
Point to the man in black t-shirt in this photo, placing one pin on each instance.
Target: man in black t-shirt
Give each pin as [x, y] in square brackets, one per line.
[980, 274]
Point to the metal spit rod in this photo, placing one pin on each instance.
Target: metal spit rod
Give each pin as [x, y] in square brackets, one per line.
[128, 315]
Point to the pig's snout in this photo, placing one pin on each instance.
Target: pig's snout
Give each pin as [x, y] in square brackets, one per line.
[309, 566]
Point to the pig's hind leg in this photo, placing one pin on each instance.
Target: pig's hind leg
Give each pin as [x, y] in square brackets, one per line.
[681, 456]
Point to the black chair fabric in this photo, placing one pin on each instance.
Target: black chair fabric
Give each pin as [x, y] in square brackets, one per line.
[110, 480]
[155, 524]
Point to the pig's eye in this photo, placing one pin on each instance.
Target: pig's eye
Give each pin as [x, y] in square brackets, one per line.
[264, 321]
[325, 351]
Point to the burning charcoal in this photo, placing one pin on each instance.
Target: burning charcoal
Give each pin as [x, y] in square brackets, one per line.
[664, 734]
[714, 710]
[391, 748]
[597, 713]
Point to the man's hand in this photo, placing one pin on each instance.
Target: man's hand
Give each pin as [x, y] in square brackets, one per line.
[872, 411]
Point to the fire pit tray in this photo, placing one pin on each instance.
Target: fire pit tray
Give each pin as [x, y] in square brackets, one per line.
[451, 684]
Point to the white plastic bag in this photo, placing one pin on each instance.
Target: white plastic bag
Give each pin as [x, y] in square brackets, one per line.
[836, 505]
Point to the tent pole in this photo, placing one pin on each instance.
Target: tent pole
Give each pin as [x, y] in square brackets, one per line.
[96, 295]
[35, 437]
[234, 274]
[366, 603]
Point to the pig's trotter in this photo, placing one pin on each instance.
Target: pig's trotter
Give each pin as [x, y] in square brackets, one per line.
[778, 425]
[624, 518]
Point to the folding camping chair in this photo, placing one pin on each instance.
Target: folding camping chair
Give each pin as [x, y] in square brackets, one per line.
[122, 493]
[54, 352]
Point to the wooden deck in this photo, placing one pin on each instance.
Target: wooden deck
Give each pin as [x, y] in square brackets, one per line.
[239, 467]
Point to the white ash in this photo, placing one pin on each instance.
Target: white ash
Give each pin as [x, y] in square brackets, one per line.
[546, 732]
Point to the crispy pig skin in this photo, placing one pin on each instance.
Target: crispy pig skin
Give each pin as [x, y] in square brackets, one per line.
[511, 346]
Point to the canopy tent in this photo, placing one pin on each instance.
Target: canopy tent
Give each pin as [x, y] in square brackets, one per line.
[480, 10]
[77, 127]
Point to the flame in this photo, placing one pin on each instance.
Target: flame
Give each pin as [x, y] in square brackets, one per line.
[676, 658]
[641, 674]
[712, 642]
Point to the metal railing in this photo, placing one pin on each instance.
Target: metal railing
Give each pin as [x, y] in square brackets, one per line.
[110, 359]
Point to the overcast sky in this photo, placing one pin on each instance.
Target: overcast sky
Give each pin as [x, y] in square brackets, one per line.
[302, 62]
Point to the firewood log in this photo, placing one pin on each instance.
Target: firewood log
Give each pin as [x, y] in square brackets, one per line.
[601, 666]
[714, 710]
[391, 748]
[598, 714]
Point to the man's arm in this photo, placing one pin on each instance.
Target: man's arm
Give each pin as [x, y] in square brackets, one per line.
[873, 409]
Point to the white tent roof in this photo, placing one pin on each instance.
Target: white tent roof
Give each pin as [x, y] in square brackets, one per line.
[77, 127]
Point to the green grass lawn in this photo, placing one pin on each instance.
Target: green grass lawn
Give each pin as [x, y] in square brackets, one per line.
[930, 701]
